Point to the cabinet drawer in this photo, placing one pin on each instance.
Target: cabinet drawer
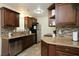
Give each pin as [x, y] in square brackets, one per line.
[67, 49]
[59, 53]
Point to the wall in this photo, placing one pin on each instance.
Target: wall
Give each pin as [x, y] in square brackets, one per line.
[43, 21]
[21, 23]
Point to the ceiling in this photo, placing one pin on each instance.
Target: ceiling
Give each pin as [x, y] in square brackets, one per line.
[30, 7]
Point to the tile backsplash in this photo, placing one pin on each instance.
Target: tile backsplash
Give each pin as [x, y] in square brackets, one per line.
[66, 31]
[7, 30]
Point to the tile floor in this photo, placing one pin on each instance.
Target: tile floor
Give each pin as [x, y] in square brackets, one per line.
[34, 50]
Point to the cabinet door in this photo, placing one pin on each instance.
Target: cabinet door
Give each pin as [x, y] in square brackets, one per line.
[12, 48]
[18, 46]
[5, 47]
[77, 13]
[29, 22]
[65, 15]
[60, 53]
[24, 43]
[30, 40]
[12, 18]
[44, 49]
[27, 42]
[8, 18]
[16, 19]
[52, 50]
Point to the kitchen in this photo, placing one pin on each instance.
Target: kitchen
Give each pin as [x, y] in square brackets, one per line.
[51, 28]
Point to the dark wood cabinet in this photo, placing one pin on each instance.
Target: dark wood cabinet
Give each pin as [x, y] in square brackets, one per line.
[67, 15]
[27, 42]
[67, 50]
[44, 48]
[51, 15]
[9, 18]
[77, 16]
[52, 50]
[6, 14]
[29, 21]
[60, 53]
[58, 50]
[16, 20]
[47, 50]
[30, 40]
[15, 46]
[5, 48]
[11, 47]
[24, 43]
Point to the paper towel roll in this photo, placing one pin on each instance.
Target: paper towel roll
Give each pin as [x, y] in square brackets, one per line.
[75, 36]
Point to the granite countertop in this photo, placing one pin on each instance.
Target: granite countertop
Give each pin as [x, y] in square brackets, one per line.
[65, 41]
[15, 36]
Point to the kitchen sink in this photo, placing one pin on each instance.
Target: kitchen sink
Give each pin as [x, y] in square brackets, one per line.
[48, 35]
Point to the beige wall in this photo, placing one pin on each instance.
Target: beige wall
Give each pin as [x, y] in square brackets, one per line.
[43, 21]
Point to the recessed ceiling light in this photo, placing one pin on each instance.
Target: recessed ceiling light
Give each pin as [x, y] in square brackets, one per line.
[38, 11]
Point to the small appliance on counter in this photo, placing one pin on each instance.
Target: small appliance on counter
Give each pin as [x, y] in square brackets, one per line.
[75, 36]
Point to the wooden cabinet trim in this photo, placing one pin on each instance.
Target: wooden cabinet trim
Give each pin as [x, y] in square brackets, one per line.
[58, 50]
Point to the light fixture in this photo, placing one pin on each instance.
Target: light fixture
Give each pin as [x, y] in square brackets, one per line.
[38, 11]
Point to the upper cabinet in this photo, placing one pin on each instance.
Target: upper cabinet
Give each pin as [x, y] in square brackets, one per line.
[9, 18]
[16, 19]
[29, 21]
[67, 15]
[51, 15]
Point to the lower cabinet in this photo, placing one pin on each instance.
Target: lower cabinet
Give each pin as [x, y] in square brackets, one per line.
[60, 53]
[16, 45]
[52, 50]
[27, 42]
[5, 49]
[58, 50]
[12, 48]
[47, 50]
[44, 49]
[24, 43]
